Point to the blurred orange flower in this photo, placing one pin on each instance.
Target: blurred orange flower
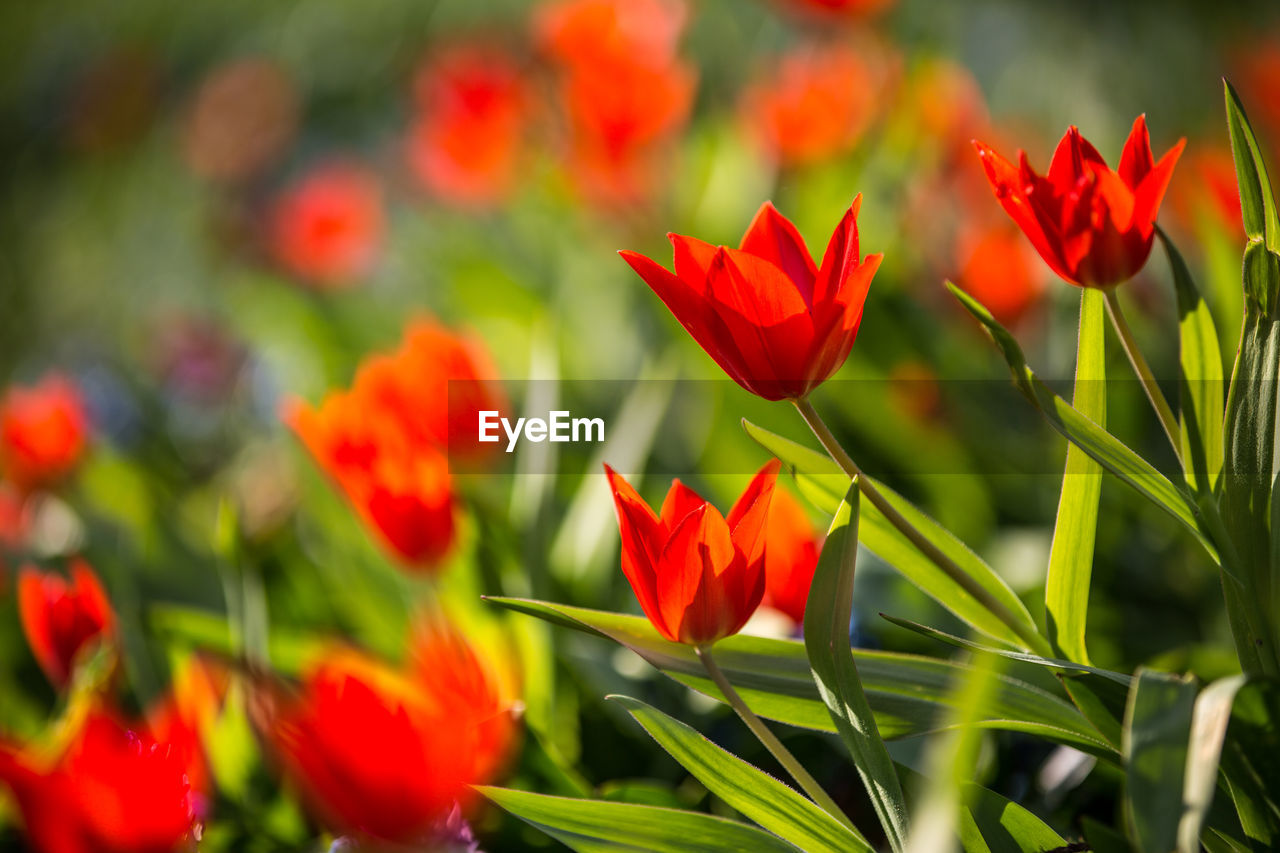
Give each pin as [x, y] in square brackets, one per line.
[384, 441]
[1206, 189]
[112, 789]
[467, 140]
[382, 754]
[995, 265]
[813, 106]
[327, 228]
[623, 89]
[61, 619]
[790, 556]
[44, 429]
[698, 575]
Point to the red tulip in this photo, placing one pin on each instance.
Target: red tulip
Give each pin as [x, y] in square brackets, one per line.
[43, 432]
[377, 753]
[466, 141]
[1093, 226]
[698, 575]
[327, 228]
[790, 557]
[111, 790]
[774, 321]
[61, 619]
[813, 106]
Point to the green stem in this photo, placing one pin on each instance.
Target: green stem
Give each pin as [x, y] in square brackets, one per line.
[770, 740]
[1145, 376]
[1034, 642]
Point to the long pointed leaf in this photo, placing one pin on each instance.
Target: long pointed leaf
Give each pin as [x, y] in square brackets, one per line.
[826, 639]
[757, 795]
[823, 482]
[1156, 729]
[1257, 203]
[1066, 589]
[593, 826]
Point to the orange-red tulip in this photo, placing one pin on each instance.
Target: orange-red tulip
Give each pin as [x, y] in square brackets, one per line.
[43, 432]
[466, 142]
[1092, 225]
[61, 619]
[698, 575]
[378, 753]
[327, 229]
[790, 557]
[111, 790]
[778, 324]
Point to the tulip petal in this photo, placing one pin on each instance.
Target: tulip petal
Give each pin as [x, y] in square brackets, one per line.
[1027, 209]
[774, 238]
[1150, 193]
[691, 258]
[841, 256]
[679, 502]
[1136, 160]
[750, 514]
[641, 533]
[1073, 159]
[691, 589]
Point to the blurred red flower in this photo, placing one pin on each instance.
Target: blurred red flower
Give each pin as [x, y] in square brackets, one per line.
[466, 142]
[995, 268]
[44, 429]
[112, 789]
[1207, 189]
[379, 753]
[790, 556]
[774, 321]
[384, 441]
[623, 89]
[698, 575]
[327, 228]
[1093, 226]
[813, 105]
[61, 619]
[838, 8]
[181, 716]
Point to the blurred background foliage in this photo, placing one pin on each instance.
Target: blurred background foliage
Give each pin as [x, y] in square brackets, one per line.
[147, 146]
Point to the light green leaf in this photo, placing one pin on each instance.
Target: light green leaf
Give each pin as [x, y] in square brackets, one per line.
[1157, 724]
[1066, 590]
[595, 826]
[908, 693]
[1208, 731]
[757, 795]
[822, 481]
[1200, 386]
[990, 823]
[1257, 204]
[1101, 445]
[826, 639]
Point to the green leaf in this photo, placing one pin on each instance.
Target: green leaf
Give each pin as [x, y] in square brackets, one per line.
[1066, 589]
[826, 639]
[1249, 761]
[1024, 657]
[822, 481]
[990, 823]
[1101, 445]
[757, 795]
[1102, 702]
[1257, 204]
[1200, 386]
[1208, 731]
[908, 693]
[1156, 727]
[594, 826]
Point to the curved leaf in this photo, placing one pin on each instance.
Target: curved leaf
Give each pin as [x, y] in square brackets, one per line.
[1257, 204]
[822, 481]
[594, 826]
[827, 617]
[757, 795]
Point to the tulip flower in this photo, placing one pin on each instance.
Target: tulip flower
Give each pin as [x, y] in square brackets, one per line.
[61, 619]
[698, 575]
[112, 789]
[778, 324]
[43, 432]
[466, 141]
[790, 557]
[327, 229]
[1093, 226]
[375, 752]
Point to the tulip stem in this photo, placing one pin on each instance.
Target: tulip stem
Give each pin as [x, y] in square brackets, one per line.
[770, 740]
[1034, 642]
[1145, 376]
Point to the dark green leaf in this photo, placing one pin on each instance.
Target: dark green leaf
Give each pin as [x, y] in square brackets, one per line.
[1156, 729]
[1257, 204]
